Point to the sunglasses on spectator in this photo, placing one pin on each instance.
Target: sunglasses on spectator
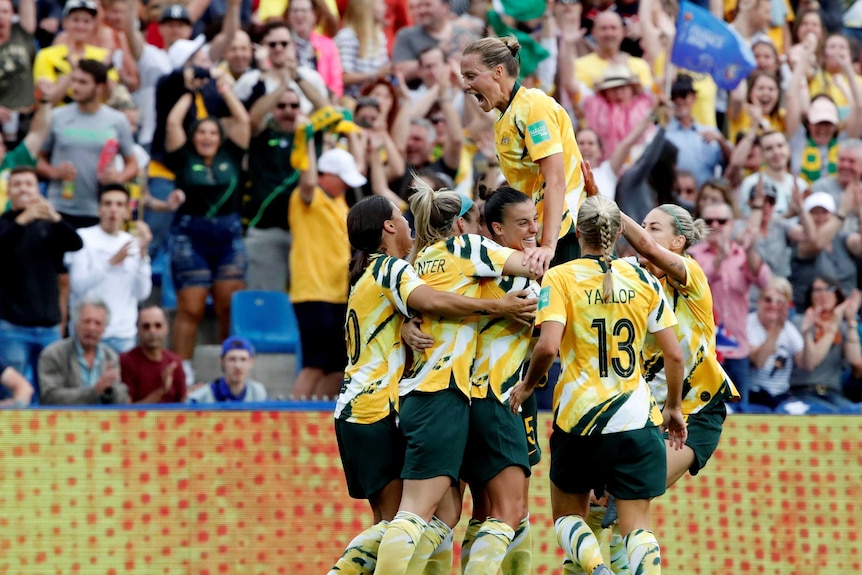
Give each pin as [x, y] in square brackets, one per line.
[832, 289]
[292, 105]
[719, 221]
[157, 325]
[276, 43]
[438, 120]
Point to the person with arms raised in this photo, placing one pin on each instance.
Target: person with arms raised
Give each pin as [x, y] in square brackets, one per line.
[535, 145]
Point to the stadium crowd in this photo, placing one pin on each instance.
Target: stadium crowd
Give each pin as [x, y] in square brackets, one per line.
[230, 138]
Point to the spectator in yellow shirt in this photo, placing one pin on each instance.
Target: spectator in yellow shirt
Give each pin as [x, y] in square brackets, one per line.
[319, 259]
[608, 33]
[55, 63]
[837, 78]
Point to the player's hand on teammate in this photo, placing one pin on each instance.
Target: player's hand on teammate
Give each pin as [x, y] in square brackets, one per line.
[520, 308]
[538, 260]
[590, 186]
[676, 429]
[415, 337]
[518, 395]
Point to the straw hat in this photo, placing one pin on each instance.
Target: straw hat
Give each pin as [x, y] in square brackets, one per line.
[615, 76]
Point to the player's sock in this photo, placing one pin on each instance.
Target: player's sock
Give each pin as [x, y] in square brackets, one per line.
[644, 552]
[489, 548]
[432, 537]
[360, 557]
[399, 543]
[467, 543]
[519, 555]
[578, 542]
[619, 555]
[440, 562]
[594, 520]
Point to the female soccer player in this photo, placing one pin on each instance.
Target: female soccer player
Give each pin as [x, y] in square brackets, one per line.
[596, 311]
[535, 144]
[385, 290]
[499, 450]
[667, 233]
[435, 393]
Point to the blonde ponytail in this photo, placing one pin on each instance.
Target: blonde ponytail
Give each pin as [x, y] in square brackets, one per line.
[434, 212]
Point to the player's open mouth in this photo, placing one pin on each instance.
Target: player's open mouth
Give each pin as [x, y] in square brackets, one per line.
[529, 242]
[479, 97]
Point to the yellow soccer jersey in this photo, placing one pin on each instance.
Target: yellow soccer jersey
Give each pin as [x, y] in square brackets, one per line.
[533, 127]
[705, 381]
[457, 265]
[375, 357]
[503, 345]
[601, 389]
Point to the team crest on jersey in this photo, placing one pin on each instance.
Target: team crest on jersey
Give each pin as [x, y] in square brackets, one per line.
[223, 166]
[505, 141]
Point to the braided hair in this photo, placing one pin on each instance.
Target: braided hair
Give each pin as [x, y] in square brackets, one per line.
[599, 223]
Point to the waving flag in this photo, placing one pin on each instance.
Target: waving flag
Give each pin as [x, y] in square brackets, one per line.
[706, 44]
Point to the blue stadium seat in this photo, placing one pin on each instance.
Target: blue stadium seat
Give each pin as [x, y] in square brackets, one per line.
[266, 319]
[169, 294]
[160, 267]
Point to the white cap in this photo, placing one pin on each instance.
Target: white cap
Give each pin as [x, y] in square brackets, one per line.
[340, 163]
[85, 5]
[823, 110]
[181, 50]
[820, 200]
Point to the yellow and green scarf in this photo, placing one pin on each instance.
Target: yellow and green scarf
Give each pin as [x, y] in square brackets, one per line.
[329, 118]
[812, 162]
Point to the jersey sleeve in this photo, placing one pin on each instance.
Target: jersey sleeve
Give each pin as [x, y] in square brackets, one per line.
[552, 299]
[481, 257]
[542, 130]
[661, 315]
[696, 283]
[398, 280]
